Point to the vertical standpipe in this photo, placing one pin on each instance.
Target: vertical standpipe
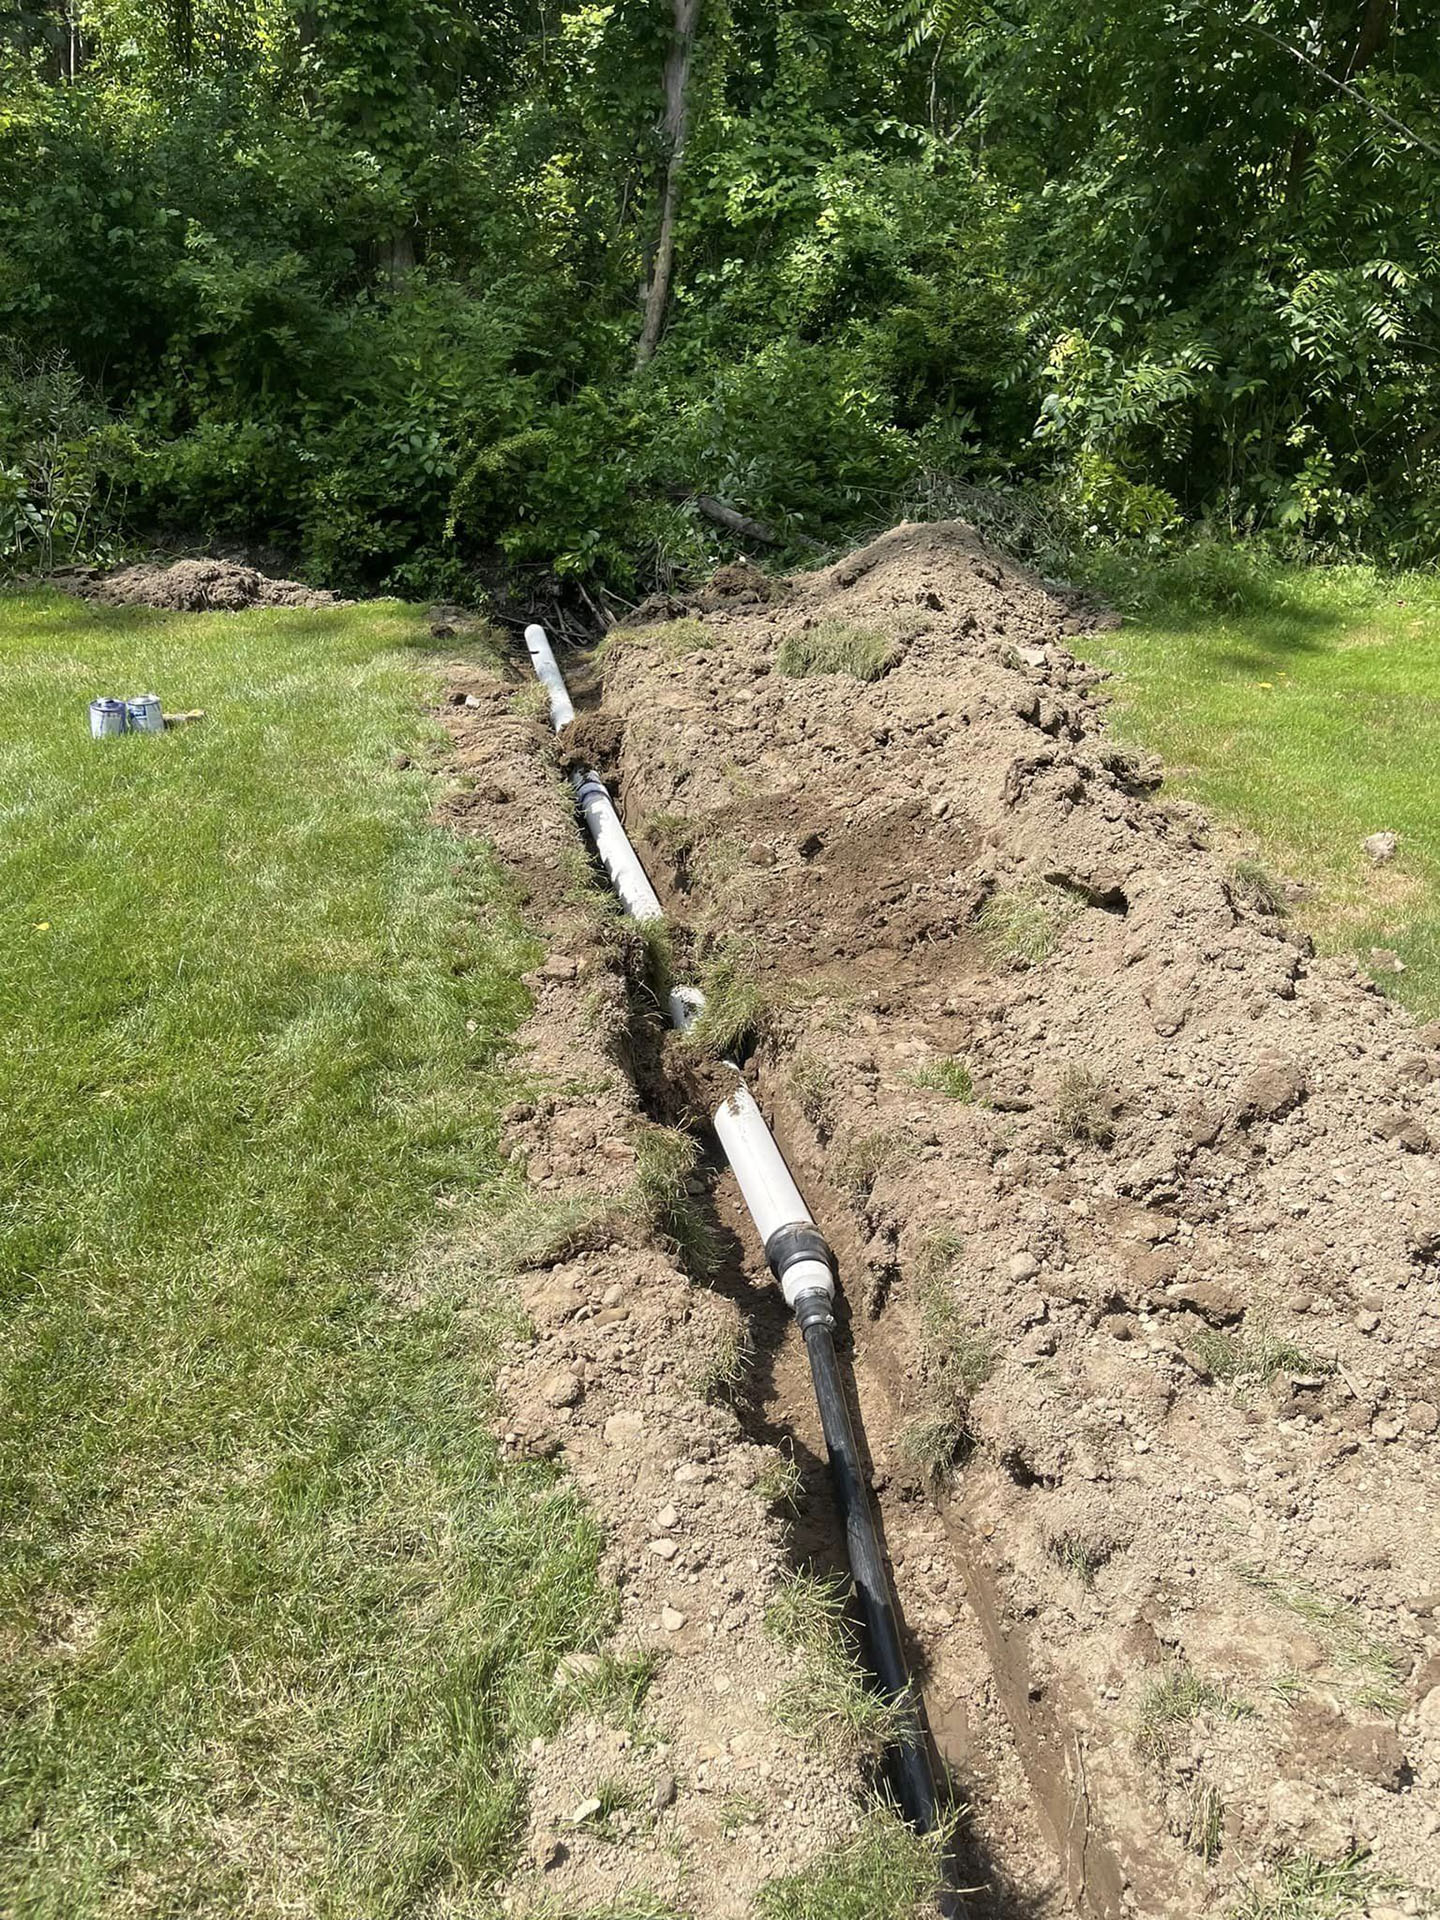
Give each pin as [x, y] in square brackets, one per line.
[801, 1260]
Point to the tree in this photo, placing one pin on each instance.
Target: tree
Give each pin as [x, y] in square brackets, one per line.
[675, 131]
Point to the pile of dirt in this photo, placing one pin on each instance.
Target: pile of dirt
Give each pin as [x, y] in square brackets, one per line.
[1142, 1197]
[191, 586]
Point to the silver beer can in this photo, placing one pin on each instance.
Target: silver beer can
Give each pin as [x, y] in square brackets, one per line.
[107, 716]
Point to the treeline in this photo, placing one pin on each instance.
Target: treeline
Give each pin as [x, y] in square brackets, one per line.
[430, 293]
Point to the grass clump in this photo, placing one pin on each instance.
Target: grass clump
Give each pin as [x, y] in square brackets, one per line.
[1375, 1672]
[665, 1157]
[835, 646]
[887, 1872]
[1303, 1887]
[671, 638]
[826, 1699]
[1204, 1827]
[780, 1483]
[1081, 1551]
[1253, 885]
[257, 1012]
[949, 1075]
[722, 1373]
[1177, 1699]
[737, 1010]
[935, 1441]
[860, 1161]
[1084, 1108]
[1254, 1354]
[970, 1354]
[812, 1081]
[1022, 925]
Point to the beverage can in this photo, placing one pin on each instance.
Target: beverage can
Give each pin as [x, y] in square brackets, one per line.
[144, 714]
[106, 717]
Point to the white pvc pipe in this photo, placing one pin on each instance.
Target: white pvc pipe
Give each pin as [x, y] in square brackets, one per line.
[550, 677]
[771, 1196]
[617, 856]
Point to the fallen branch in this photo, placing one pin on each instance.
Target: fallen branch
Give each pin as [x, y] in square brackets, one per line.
[747, 529]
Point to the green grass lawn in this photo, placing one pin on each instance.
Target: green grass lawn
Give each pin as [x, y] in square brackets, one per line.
[1301, 705]
[273, 1613]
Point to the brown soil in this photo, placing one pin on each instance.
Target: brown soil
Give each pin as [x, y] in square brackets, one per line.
[1177, 1609]
[191, 586]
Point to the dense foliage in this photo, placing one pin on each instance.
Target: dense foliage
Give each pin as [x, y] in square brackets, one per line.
[362, 279]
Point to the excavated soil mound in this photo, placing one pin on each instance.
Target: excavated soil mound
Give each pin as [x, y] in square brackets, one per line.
[193, 586]
[1141, 1198]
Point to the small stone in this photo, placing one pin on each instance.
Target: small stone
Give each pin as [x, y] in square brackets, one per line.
[561, 1390]
[585, 1811]
[664, 1794]
[667, 1549]
[473, 700]
[1387, 1427]
[1428, 1713]
[666, 1520]
[759, 854]
[1367, 1321]
[613, 1295]
[1386, 960]
[1422, 1416]
[621, 1428]
[1023, 1266]
[559, 966]
[1381, 846]
[671, 1619]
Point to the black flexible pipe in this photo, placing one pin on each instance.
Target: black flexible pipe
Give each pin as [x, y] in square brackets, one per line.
[910, 1756]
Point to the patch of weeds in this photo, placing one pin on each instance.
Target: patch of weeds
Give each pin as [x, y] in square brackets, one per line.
[969, 1352]
[1204, 1821]
[1303, 1887]
[812, 1081]
[1252, 885]
[1177, 1699]
[737, 1010]
[721, 1375]
[630, 1906]
[741, 1810]
[669, 637]
[1083, 1107]
[835, 646]
[939, 1253]
[1081, 1553]
[1376, 1671]
[530, 703]
[658, 949]
[935, 1441]
[887, 1872]
[609, 1687]
[859, 1163]
[665, 1157]
[1254, 1354]
[950, 1076]
[826, 1700]
[1289, 1686]
[671, 833]
[780, 1483]
[1022, 925]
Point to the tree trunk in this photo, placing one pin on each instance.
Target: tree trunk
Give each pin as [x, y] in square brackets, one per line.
[676, 129]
